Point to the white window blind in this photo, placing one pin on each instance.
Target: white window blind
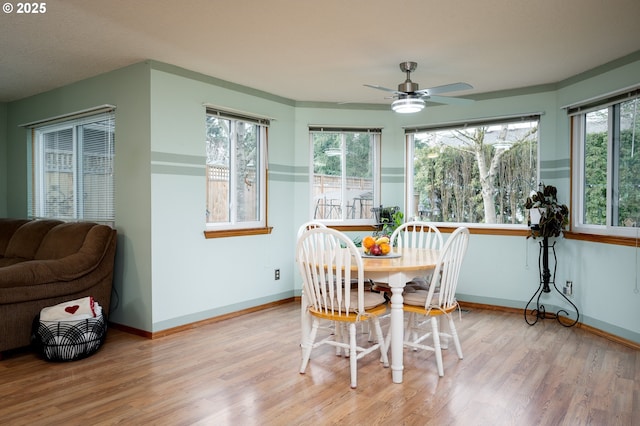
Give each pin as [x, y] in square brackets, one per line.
[73, 159]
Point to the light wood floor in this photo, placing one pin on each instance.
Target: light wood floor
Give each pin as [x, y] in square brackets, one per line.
[244, 371]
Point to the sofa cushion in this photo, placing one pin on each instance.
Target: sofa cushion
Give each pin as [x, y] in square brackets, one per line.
[26, 240]
[62, 240]
[7, 229]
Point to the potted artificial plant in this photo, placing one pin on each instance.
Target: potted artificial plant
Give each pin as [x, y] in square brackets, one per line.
[548, 220]
[387, 220]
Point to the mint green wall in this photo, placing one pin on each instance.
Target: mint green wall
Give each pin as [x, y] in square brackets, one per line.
[170, 275]
[128, 90]
[196, 278]
[3, 159]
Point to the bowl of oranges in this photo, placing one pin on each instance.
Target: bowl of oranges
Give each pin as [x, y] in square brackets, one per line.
[376, 246]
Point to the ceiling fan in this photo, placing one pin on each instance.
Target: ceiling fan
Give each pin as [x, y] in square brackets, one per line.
[408, 98]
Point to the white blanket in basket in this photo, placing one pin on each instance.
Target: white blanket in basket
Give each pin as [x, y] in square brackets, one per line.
[73, 310]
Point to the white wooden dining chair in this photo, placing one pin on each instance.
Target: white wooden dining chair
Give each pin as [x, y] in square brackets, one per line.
[415, 234]
[328, 261]
[438, 301]
[306, 323]
[312, 224]
[305, 320]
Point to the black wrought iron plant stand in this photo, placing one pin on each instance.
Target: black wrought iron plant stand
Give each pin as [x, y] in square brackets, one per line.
[545, 279]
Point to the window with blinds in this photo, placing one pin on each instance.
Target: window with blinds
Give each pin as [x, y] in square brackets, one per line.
[72, 166]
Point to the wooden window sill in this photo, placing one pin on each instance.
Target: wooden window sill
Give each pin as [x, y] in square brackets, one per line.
[237, 232]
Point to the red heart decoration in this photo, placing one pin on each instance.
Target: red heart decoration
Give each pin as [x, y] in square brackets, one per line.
[72, 309]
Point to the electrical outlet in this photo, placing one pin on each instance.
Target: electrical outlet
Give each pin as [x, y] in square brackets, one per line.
[568, 288]
[276, 274]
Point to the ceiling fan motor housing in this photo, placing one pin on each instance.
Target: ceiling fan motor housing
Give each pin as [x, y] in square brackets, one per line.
[408, 87]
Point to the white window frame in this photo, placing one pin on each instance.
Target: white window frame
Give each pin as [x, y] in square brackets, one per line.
[577, 115]
[261, 176]
[39, 190]
[376, 133]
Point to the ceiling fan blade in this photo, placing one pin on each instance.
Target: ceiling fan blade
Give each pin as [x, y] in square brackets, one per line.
[448, 100]
[453, 87]
[375, 86]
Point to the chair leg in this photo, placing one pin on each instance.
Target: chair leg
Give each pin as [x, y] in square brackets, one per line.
[352, 352]
[384, 358]
[371, 338]
[387, 341]
[337, 330]
[385, 348]
[436, 345]
[454, 336]
[411, 333]
[364, 327]
[343, 338]
[346, 337]
[444, 338]
[308, 345]
[305, 320]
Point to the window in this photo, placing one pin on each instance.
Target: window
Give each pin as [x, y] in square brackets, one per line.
[480, 172]
[236, 148]
[606, 165]
[73, 167]
[345, 179]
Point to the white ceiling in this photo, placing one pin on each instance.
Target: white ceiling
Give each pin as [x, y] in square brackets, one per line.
[319, 50]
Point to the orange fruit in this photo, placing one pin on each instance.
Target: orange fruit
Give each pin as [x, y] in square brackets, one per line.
[385, 248]
[368, 242]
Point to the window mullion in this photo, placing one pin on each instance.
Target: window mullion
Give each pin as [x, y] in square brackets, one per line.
[233, 136]
[613, 212]
[409, 167]
[39, 159]
[78, 149]
[610, 191]
[343, 185]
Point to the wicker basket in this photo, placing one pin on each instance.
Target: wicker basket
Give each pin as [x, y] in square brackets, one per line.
[68, 340]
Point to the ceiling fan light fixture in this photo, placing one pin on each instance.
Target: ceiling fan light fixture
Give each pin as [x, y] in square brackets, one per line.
[407, 105]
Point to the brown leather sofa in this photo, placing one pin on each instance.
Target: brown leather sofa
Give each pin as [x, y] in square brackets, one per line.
[46, 262]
